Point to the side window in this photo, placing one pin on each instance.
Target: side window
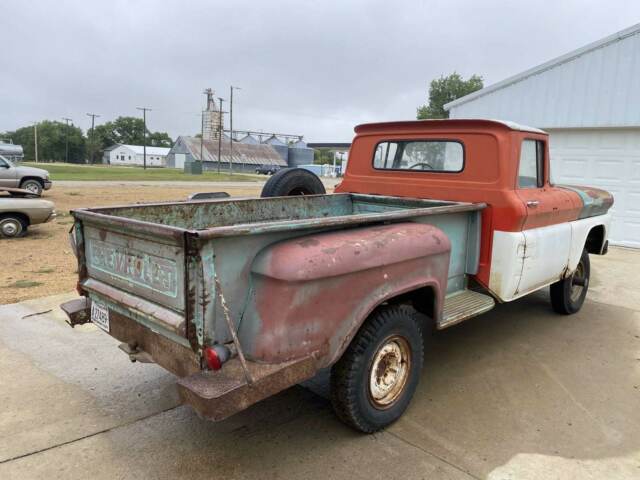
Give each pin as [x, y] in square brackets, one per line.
[423, 155]
[531, 169]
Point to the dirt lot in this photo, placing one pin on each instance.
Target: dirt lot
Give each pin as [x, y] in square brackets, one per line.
[42, 263]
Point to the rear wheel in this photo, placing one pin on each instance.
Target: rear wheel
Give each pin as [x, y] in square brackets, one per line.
[374, 381]
[11, 226]
[567, 295]
[292, 181]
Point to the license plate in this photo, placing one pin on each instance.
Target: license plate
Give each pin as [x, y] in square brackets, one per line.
[100, 315]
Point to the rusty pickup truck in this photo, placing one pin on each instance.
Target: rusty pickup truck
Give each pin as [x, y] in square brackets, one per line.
[433, 223]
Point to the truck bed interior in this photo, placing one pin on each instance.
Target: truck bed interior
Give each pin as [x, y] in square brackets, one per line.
[202, 215]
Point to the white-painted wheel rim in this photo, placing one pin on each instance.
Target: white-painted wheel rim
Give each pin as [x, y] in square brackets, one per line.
[389, 371]
[578, 275]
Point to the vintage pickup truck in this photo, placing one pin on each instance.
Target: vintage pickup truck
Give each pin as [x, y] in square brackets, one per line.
[433, 223]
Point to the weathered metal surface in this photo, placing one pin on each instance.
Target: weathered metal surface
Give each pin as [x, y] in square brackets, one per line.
[594, 200]
[78, 310]
[218, 395]
[174, 357]
[313, 293]
[463, 305]
[138, 307]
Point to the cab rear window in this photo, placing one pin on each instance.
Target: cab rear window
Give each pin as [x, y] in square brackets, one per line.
[419, 155]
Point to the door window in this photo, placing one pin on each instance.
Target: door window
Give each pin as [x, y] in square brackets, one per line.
[531, 170]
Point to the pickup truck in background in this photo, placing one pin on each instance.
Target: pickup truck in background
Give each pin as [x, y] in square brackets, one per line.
[433, 223]
[34, 180]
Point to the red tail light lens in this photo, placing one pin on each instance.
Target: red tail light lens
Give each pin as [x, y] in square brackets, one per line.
[212, 358]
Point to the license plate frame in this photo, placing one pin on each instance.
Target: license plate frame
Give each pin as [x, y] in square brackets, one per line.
[100, 315]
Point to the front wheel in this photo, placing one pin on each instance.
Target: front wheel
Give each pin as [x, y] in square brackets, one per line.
[32, 186]
[12, 227]
[567, 295]
[374, 381]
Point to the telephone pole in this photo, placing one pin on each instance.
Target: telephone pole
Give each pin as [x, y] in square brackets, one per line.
[35, 138]
[93, 124]
[231, 129]
[144, 135]
[220, 131]
[66, 140]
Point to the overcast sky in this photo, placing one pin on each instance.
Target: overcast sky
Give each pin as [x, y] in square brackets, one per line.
[312, 68]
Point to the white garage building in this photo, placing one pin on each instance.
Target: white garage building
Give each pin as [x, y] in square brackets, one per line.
[121, 154]
[589, 102]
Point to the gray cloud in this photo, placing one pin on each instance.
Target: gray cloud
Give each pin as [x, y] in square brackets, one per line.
[314, 68]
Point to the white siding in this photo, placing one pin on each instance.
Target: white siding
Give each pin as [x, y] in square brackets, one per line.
[598, 87]
[608, 159]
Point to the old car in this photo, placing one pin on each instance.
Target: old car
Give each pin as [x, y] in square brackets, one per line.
[19, 210]
[434, 223]
[34, 180]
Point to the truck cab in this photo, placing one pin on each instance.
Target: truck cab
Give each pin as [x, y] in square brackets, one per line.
[533, 232]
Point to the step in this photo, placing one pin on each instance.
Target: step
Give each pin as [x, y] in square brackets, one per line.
[462, 305]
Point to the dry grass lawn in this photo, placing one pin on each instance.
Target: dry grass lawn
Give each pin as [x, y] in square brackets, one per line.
[42, 263]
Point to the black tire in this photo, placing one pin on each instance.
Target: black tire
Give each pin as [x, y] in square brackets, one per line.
[12, 226]
[32, 185]
[352, 394]
[292, 181]
[567, 295]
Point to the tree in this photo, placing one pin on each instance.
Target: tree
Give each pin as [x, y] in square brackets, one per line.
[128, 130]
[52, 141]
[447, 89]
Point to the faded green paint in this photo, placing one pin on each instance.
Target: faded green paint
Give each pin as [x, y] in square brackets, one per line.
[222, 238]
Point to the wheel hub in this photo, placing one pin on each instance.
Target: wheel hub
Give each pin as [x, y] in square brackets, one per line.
[31, 188]
[389, 371]
[579, 281]
[9, 228]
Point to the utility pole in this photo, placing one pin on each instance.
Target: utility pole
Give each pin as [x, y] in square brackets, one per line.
[231, 129]
[221, 129]
[35, 138]
[66, 140]
[93, 124]
[144, 135]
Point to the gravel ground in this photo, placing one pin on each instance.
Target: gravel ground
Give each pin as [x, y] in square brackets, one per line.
[42, 263]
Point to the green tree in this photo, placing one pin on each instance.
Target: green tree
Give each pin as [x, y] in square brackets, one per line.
[447, 89]
[52, 141]
[128, 130]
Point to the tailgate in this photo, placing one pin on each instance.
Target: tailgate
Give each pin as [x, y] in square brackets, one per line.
[134, 271]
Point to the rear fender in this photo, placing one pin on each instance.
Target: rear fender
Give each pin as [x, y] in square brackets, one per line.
[311, 294]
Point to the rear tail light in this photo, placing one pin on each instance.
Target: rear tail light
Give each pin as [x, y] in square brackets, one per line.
[216, 356]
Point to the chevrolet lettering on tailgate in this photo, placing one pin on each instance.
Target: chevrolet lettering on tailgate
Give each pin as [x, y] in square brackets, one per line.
[149, 271]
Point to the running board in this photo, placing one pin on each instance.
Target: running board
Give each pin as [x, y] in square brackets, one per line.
[462, 305]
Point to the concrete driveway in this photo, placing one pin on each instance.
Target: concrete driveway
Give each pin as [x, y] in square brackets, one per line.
[519, 393]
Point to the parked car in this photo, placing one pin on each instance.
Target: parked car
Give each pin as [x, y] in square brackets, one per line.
[433, 223]
[19, 210]
[268, 169]
[34, 180]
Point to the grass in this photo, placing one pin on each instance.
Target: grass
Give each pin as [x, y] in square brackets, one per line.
[45, 270]
[66, 171]
[24, 284]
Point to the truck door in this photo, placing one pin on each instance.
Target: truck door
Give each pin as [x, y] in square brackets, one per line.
[547, 234]
[8, 175]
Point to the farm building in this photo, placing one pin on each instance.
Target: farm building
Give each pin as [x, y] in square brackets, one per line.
[588, 100]
[248, 153]
[120, 154]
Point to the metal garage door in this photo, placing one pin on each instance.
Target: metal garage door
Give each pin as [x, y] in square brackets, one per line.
[605, 158]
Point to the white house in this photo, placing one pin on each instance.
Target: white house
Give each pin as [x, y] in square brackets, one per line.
[120, 154]
[589, 102]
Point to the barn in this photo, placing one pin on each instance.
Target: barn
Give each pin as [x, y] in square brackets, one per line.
[588, 100]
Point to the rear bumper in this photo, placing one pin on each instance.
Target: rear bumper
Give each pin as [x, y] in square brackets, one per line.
[214, 395]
